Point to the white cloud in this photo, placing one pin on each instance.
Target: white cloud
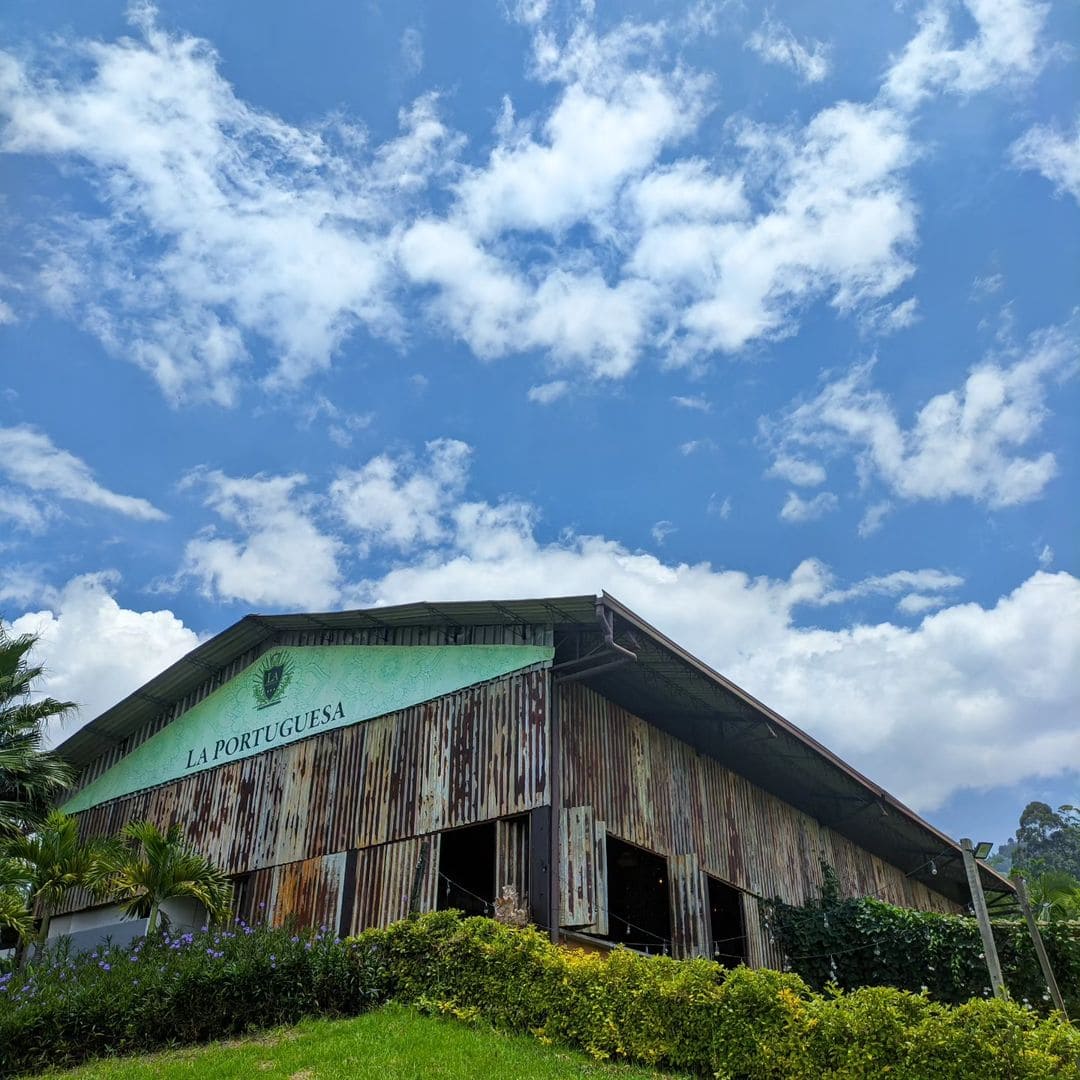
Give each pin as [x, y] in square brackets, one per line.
[693, 446]
[963, 443]
[899, 581]
[798, 471]
[919, 603]
[398, 503]
[412, 51]
[775, 43]
[30, 458]
[1046, 557]
[591, 232]
[987, 285]
[698, 402]
[797, 510]
[263, 229]
[874, 517]
[1054, 155]
[720, 507]
[836, 221]
[887, 319]
[662, 530]
[546, 393]
[1005, 48]
[96, 652]
[282, 557]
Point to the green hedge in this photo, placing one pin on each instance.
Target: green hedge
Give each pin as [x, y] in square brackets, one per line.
[691, 1016]
[855, 943]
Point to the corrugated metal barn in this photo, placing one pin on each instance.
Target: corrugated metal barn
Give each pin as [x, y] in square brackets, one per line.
[347, 768]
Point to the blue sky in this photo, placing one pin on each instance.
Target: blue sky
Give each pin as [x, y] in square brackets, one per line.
[762, 318]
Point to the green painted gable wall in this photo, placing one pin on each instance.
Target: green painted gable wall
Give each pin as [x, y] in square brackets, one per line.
[291, 693]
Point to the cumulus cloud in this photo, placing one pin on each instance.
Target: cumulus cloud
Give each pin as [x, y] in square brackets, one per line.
[261, 229]
[1005, 48]
[1053, 154]
[963, 443]
[798, 471]
[797, 510]
[277, 554]
[30, 459]
[398, 503]
[589, 233]
[96, 652]
[775, 43]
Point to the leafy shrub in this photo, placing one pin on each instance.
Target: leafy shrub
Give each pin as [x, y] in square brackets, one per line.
[167, 990]
[862, 942]
[696, 1016]
[691, 1015]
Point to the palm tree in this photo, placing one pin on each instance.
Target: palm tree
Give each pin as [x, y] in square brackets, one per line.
[30, 779]
[15, 898]
[151, 866]
[1054, 895]
[54, 860]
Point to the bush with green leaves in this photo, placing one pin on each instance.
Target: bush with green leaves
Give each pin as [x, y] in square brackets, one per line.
[692, 1015]
[167, 990]
[695, 1016]
[863, 942]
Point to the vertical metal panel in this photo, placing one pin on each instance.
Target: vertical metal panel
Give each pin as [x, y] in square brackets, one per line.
[577, 845]
[600, 926]
[657, 792]
[384, 881]
[512, 857]
[689, 907]
[307, 893]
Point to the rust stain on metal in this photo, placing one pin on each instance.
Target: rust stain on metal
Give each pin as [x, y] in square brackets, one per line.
[659, 793]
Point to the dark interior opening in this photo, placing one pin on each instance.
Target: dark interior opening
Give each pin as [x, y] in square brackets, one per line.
[467, 869]
[639, 907]
[726, 926]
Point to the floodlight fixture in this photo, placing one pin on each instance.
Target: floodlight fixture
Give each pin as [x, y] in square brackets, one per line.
[983, 849]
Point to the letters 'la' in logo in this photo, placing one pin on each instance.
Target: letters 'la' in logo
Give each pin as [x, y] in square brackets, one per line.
[274, 675]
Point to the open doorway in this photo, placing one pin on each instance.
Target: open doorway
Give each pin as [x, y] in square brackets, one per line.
[727, 927]
[639, 907]
[467, 869]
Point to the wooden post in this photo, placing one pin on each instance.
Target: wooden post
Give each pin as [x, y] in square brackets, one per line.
[979, 901]
[1040, 949]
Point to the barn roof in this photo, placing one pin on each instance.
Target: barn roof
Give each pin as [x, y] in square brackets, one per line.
[617, 653]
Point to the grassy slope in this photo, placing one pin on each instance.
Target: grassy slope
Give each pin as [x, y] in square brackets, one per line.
[392, 1043]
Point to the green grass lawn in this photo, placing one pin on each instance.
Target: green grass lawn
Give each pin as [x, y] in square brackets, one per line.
[392, 1042]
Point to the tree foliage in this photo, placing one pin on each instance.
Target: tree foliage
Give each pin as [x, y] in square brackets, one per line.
[53, 860]
[150, 866]
[30, 778]
[1046, 840]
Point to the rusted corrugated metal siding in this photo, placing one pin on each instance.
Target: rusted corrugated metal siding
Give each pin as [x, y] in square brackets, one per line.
[512, 857]
[659, 793]
[689, 906]
[308, 893]
[470, 756]
[385, 876]
[577, 842]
